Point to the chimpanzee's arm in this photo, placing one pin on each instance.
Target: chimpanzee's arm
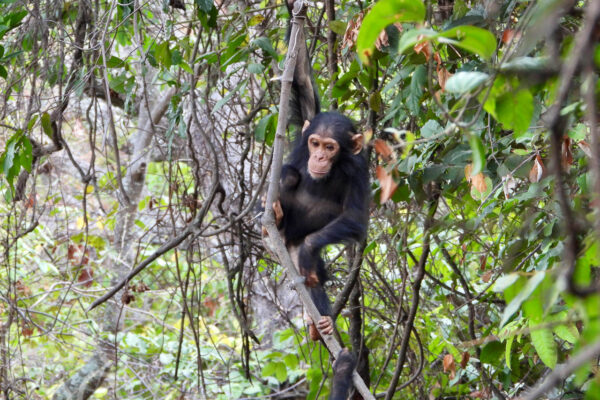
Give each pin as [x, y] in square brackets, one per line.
[305, 99]
[351, 225]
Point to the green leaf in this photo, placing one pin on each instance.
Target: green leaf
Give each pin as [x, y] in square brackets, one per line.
[265, 44]
[115, 62]
[567, 332]
[384, 13]
[26, 153]
[471, 38]
[478, 154]
[492, 353]
[261, 128]
[276, 369]
[338, 27]
[515, 110]
[431, 128]
[504, 282]
[255, 68]
[417, 83]
[3, 72]
[47, 125]
[465, 81]
[509, 342]
[375, 101]
[204, 5]
[163, 54]
[544, 344]
[523, 295]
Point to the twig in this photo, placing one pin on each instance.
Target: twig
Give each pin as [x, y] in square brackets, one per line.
[268, 220]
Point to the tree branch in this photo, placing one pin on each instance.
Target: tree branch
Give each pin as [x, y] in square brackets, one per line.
[268, 220]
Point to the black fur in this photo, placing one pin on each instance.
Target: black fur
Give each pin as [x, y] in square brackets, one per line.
[342, 375]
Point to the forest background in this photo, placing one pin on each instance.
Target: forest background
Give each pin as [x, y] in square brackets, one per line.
[139, 134]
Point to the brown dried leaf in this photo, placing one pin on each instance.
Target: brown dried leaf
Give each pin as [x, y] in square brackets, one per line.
[388, 186]
[464, 359]
[468, 170]
[86, 276]
[567, 154]
[448, 363]
[478, 182]
[26, 330]
[382, 40]
[423, 47]
[443, 76]
[482, 261]
[537, 171]
[487, 276]
[382, 148]
[352, 30]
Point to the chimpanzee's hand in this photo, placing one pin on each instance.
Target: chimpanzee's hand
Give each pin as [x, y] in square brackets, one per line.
[307, 264]
[325, 325]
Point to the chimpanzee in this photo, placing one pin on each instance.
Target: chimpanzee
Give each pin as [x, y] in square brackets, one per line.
[342, 375]
[324, 191]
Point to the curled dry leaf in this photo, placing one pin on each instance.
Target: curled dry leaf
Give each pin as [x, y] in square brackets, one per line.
[443, 76]
[388, 186]
[567, 154]
[423, 47]
[536, 173]
[382, 40]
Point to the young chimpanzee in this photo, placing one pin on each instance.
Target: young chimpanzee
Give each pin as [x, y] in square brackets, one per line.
[324, 187]
[342, 375]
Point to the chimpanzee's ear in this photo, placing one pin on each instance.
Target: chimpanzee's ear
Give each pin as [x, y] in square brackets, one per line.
[305, 126]
[358, 142]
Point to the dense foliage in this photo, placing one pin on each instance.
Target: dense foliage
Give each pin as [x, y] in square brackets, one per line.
[139, 134]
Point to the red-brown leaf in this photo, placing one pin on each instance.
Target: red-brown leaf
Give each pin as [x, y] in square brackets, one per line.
[388, 186]
[536, 173]
[567, 154]
[382, 148]
[86, 276]
[423, 47]
[464, 359]
[507, 35]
